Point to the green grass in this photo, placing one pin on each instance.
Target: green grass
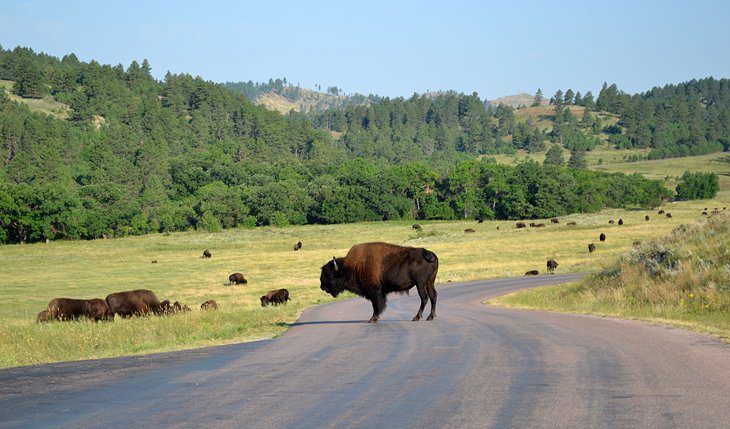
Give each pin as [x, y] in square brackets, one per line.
[682, 279]
[46, 105]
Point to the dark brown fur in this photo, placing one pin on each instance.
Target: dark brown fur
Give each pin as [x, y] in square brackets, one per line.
[373, 270]
[298, 246]
[571, 224]
[206, 253]
[276, 297]
[646, 217]
[237, 278]
[620, 222]
[669, 214]
[610, 221]
[554, 220]
[135, 303]
[551, 266]
[70, 309]
[209, 305]
[602, 237]
[416, 226]
[591, 248]
[43, 316]
[469, 231]
[532, 273]
[520, 225]
[662, 211]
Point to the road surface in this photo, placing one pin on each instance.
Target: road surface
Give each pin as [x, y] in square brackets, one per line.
[474, 366]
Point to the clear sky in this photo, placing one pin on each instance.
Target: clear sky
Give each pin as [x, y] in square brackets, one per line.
[392, 47]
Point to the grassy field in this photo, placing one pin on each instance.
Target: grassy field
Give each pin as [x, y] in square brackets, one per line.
[682, 279]
[31, 275]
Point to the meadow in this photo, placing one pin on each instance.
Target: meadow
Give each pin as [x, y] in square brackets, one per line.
[32, 274]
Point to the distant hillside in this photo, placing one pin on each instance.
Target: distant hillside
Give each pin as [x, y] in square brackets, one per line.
[517, 101]
[281, 96]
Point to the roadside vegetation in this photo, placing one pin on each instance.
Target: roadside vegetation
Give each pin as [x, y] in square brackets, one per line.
[682, 279]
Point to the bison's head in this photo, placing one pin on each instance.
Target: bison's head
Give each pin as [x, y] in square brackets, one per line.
[263, 301]
[333, 279]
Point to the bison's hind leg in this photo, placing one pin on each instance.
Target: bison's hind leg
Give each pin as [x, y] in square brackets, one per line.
[424, 299]
[432, 294]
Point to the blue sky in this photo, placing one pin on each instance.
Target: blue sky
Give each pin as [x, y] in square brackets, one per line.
[389, 47]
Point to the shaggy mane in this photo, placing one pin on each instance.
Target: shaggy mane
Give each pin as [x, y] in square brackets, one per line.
[366, 261]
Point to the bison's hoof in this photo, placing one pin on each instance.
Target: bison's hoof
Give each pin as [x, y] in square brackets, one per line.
[430, 317]
[373, 320]
[416, 318]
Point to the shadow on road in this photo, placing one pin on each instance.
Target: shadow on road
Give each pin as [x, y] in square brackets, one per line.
[327, 322]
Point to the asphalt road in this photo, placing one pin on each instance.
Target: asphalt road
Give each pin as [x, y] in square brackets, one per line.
[474, 366]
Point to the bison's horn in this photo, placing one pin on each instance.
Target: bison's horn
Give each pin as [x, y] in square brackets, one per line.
[334, 261]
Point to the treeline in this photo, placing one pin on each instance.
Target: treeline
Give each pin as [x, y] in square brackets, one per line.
[448, 126]
[691, 118]
[137, 155]
[316, 101]
[217, 193]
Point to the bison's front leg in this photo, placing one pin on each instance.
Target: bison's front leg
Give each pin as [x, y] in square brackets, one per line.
[378, 303]
[424, 299]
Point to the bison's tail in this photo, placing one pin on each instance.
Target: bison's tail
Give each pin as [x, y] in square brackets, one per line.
[429, 256]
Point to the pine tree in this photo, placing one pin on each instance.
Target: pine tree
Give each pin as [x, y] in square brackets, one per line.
[538, 98]
[577, 159]
[554, 156]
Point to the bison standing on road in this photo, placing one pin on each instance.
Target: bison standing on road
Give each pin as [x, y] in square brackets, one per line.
[373, 270]
[237, 278]
[70, 309]
[551, 266]
[276, 297]
[135, 303]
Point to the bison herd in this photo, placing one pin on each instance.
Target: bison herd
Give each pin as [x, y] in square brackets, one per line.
[141, 302]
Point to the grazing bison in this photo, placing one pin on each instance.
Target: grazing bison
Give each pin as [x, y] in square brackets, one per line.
[571, 224]
[646, 217]
[637, 243]
[520, 225]
[480, 220]
[610, 221]
[154, 261]
[551, 266]
[704, 213]
[416, 226]
[373, 270]
[669, 214]
[591, 248]
[135, 303]
[70, 309]
[662, 211]
[237, 278]
[43, 316]
[554, 220]
[209, 305]
[276, 297]
[298, 246]
[620, 222]
[206, 253]
[532, 273]
[469, 231]
[539, 225]
[602, 237]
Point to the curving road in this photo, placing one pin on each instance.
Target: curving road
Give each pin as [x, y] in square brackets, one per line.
[474, 366]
